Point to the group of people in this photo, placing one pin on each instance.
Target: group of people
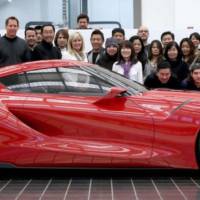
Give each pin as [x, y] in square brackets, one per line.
[161, 64]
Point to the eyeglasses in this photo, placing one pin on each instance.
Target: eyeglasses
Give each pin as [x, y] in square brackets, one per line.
[145, 31]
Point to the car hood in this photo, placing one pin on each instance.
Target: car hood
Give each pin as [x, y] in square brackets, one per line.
[163, 103]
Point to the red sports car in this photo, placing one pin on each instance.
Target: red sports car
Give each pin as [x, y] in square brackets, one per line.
[72, 114]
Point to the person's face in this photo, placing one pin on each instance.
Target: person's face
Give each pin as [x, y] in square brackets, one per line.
[195, 41]
[164, 75]
[39, 35]
[137, 46]
[185, 48]
[111, 50]
[172, 53]
[62, 41]
[118, 36]
[12, 28]
[143, 33]
[167, 39]
[126, 53]
[155, 50]
[82, 23]
[31, 38]
[48, 34]
[77, 43]
[96, 41]
[196, 76]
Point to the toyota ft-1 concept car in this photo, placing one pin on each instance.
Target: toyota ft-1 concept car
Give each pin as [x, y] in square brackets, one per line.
[73, 114]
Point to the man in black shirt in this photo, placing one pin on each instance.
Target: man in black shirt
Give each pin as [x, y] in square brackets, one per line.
[13, 50]
[162, 78]
[143, 33]
[82, 21]
[30, 38]
[97, 40]
[45, 50]
[38, 30]
[193, 81]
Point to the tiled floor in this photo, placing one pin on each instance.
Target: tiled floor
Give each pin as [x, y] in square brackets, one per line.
[99, 185]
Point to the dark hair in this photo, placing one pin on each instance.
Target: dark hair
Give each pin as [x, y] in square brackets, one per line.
[192, 48]
[97, 32]
[29, 29]
[118, 30]
[159, 45]
[11, 18]
[64, 32]
[38, 27]
[167, 33]
[142, 57]
[163, 65]
[169, 46]
[127, 44]
[136, 37]
[83, 16]
[194, 67]
[196, 35]
[45, 25]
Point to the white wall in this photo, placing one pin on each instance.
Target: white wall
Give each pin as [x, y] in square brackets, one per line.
[158, 14]
[27, 10]
[171, 14]
[112, 10]
[187, 14]
[15, 9]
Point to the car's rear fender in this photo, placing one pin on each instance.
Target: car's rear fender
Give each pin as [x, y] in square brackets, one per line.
[176, 137]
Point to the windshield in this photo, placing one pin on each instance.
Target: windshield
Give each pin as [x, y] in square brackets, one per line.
[115, 79]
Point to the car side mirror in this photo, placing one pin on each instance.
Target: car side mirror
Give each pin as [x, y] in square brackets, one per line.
[114, 93]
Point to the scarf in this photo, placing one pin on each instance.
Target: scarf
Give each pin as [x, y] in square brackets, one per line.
[126, 66]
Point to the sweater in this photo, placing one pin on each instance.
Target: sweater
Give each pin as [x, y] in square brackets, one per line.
[13, 51]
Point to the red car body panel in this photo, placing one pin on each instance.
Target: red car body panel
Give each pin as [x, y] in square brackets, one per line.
[154, 129]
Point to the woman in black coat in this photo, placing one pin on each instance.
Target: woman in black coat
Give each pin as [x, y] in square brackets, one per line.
[174, 56]
[110, 55]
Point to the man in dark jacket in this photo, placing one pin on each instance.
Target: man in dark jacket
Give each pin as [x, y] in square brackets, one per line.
[13, 50]
[97, 40]
[162, 78]
[193, 81]
[45, 50]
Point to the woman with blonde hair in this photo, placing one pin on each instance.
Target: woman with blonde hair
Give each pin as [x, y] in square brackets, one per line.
[76, 47]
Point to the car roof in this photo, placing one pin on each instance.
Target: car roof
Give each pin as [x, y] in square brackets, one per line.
[23, 67]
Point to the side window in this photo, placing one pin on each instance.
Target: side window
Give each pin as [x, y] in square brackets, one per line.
[60, 80]
[37, 81]
[81, 82]
[45, 81]
[16, 82]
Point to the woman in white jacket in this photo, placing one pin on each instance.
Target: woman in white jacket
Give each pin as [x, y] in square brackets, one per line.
[127, 63]
[76, 47]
